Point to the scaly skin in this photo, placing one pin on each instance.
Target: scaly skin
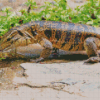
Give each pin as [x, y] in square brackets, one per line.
[50, 34]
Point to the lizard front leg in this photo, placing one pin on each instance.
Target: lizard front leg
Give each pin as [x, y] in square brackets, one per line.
[46, 51]
[91, 45]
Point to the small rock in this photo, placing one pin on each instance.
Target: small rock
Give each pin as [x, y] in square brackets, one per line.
[11, 0]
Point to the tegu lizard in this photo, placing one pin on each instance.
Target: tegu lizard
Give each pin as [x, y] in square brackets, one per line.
[51, 34]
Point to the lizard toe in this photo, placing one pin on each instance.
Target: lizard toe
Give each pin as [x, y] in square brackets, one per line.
[37, 60]
[92, 60]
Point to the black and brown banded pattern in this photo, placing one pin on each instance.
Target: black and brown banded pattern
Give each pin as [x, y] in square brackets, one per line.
[62, 35]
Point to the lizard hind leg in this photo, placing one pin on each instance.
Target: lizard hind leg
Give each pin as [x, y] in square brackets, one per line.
[46, 51]
[91, 45]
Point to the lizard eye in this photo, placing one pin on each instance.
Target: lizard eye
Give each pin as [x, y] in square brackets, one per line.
[20, 33]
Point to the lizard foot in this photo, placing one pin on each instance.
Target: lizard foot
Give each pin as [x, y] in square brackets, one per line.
[37, 60]
[92, 60]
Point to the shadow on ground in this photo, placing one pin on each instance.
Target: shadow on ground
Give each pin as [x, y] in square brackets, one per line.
[55, 59]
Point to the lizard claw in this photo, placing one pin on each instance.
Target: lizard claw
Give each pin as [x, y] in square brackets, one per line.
[37, 60]
[92, 60]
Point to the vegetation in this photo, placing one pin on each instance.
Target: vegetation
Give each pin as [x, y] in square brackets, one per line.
[59, 11]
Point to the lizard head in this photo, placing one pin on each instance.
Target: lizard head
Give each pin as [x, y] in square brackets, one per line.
[6, 45]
